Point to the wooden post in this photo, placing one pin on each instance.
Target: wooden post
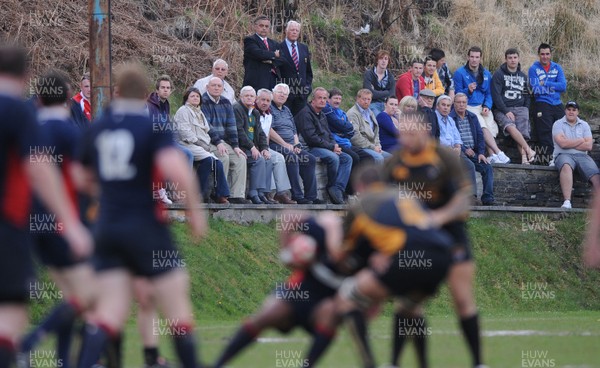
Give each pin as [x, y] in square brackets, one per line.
[100, 55]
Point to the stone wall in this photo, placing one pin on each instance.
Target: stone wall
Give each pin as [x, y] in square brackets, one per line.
[535, 186]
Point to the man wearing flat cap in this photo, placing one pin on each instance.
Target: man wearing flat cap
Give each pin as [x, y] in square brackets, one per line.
[425, 101]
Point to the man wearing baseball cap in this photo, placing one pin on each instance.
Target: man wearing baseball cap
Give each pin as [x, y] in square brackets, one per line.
[572, 140]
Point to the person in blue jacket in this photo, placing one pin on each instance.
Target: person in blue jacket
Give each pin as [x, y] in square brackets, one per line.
[475, 81]
[547, 81]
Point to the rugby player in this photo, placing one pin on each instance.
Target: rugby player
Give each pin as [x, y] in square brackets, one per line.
[306, 295]
[18, 173]
[73, 276]
[382, 233]
[122, 153]
[591, 244]
[435, 176]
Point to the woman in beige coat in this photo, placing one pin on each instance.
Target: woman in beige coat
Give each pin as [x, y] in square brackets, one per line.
[192, 133]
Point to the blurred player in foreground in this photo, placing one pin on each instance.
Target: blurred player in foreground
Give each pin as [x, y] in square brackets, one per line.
[379, 231]
[122, 153]
[435, 176]
[73, 275]
[591, 245]
[24, 165]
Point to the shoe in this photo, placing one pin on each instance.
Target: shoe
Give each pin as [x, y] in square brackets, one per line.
[256, 200]
[335, 195]
[525, 160]
[303, 201]
[271, 197]
[319, 201]
[566, 204]
[551, 163]
[502, 158]
[493, 159]
[266, 200]
[220, 200]
[162, 195]
[490, 203]
[238, 200]
[284, 199]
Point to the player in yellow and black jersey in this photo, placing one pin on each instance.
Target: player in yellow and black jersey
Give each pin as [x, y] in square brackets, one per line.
[435, 176]
[394, 242]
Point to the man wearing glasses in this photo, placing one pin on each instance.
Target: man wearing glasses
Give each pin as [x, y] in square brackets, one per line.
[219, 69]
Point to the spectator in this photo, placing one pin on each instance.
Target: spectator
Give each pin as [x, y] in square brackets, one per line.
[411, 82]
[443, 71]
[261, 56]
[425, 101]
[572, 138]
[342, 130]
[430, 75]
[219, 69]
[366, 127]
[547, 82]
[474, 80]
[281, 182]
[449, 135]
[224, 139]
[284, 139]
[408, 104]
[296, 71]
[82, 99]
[159, 112]
[388, 124]
[379, 81]
[192, 133]
[312, 125]
[511, 103]
[473, 148]
[254, 142]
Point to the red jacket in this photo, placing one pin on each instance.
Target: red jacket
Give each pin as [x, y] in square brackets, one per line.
[405, 87]
[86, 107]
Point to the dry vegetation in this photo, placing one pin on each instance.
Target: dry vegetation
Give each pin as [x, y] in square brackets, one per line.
[183, 38]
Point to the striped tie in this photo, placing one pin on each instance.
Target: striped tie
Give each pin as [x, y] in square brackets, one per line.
[266, 43]
[295, 56]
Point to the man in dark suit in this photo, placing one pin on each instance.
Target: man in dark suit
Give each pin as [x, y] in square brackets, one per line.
[296, 71]
[261, 56]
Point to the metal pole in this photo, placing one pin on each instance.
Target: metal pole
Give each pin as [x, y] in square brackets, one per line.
[100, 56]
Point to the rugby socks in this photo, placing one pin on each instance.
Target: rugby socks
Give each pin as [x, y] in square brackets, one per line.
[420, 340]
[93, 342]
[113, 351]
[470, 328]
[322, 338]
[244, 337]
[7, 352]
[399, 337]
[60, 317]
[185, 345]
[64, 335]
[358, 330]
[150, 355]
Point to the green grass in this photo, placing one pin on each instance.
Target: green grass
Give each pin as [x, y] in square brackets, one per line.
[349, 84]
[235, 267]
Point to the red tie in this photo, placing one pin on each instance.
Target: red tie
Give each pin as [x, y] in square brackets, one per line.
[266, 43]
[295, 56]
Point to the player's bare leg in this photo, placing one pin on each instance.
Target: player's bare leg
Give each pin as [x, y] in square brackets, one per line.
[108, 316]
[13, 320]
[146, 318]
[171, 292]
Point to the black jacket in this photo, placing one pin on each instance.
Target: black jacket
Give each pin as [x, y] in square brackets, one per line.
[241, 119]
[259, 63]
[371, 82]
[314, 129]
